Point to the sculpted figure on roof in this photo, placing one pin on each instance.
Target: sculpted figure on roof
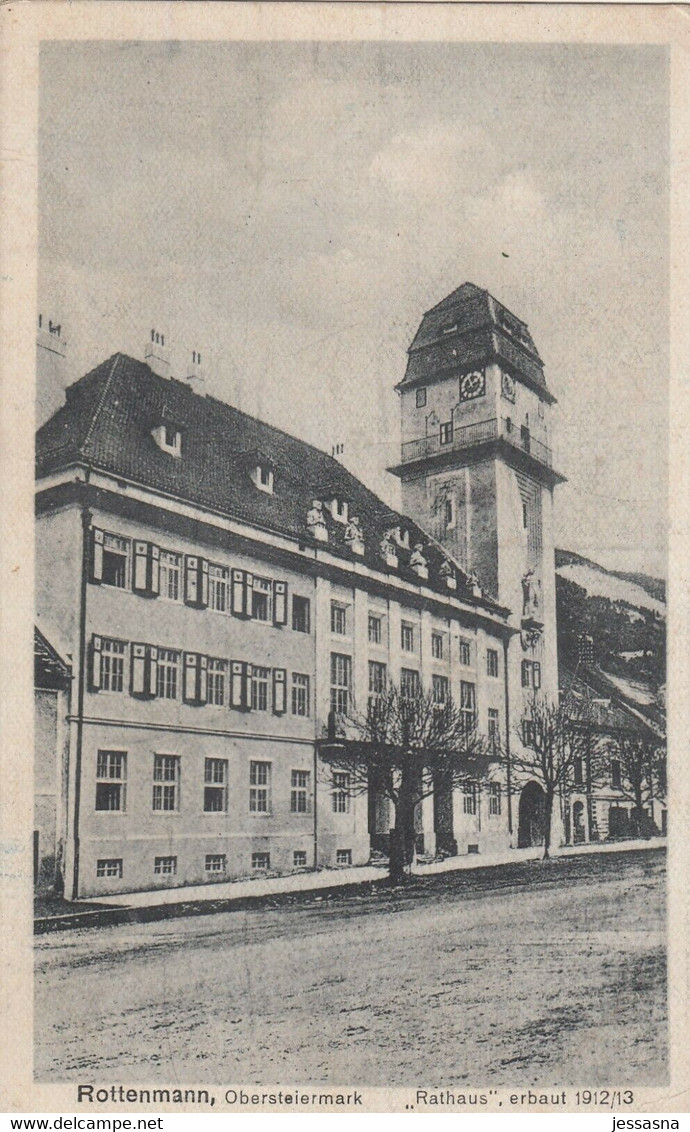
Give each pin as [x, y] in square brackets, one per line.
[316, 522]
[446, 573]
[354, 535]
[388, 547]
[473, 583]
[417, 557]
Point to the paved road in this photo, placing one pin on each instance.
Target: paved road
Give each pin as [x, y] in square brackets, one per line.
[544, 974]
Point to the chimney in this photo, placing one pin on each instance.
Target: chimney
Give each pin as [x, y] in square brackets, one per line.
[51, 369]
[195, 375]
[157, 354]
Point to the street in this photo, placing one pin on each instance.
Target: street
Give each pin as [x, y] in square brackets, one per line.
[529, 974]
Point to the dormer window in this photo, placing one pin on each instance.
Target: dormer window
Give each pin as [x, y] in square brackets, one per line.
[262, 477]
[451, 328]
[339, 510]
[168, 437]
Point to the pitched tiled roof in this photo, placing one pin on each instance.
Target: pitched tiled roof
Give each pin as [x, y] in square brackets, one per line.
[50, 670]
[606, 706]
[107, 423]
[470, 328]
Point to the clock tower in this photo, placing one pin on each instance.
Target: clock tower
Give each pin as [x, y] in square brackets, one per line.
[476, 464]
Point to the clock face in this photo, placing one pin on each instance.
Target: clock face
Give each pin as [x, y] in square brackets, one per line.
[472, 385]
[507, 386]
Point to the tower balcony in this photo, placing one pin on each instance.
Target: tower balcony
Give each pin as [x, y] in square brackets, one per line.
[498, 432]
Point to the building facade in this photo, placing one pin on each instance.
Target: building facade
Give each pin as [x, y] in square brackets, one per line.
[223, 586]
[52, 691]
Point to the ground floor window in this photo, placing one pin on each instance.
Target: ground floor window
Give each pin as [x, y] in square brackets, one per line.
[259, 786]
[340, 794]
[109, 867]
[165, 866]
[469, 801]
[299, 858]
[215, 786]
[299, 792]
[261, 860]
[166, 779]
[494, 798]
[215, 862]
[111, 773]
[343, 856]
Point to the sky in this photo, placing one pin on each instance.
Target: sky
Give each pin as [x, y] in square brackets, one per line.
[292, 210]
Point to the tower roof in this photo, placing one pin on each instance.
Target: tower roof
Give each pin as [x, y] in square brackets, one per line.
[471, 328]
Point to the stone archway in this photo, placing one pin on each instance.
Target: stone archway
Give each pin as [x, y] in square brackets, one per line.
[531, 816]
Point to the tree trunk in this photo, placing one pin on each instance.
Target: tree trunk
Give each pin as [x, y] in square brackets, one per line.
[402, 834]
[548, 811]
[396, 857]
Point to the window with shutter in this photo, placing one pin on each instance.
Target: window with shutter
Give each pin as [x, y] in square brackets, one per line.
[95, 667]
[536, 674]
[146, 569]
[143, 670]
[242, 586]
[279, 603]
[96, 555]
[191, 678]
[138, 682]
[152, 665]
[154, 570]
[116, 560]
[248, 586]
[240, 685]
[261, 598]
[196, 581]
[202, 683]
[191, 579]
[112, 665]
[236, 684]
[141, 563]
[279, 677]
[203, 582]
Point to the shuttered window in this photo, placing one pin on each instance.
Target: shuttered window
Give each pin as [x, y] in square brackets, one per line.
[279, 691]
[196, 581]
[195, 677]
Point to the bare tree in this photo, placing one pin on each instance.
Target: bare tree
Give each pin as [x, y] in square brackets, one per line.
[405, 742]
[642, 763]
[554, 738]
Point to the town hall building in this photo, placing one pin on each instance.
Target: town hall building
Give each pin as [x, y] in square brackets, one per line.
[218, 587]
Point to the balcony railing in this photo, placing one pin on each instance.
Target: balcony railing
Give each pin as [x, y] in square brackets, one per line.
[467, 436]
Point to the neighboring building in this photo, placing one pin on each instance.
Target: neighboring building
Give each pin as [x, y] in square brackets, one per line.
[224, 586]
[599, 804]
[52, 683]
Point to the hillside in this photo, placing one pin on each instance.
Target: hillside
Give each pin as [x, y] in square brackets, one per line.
[625, 615]
[633, 588]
